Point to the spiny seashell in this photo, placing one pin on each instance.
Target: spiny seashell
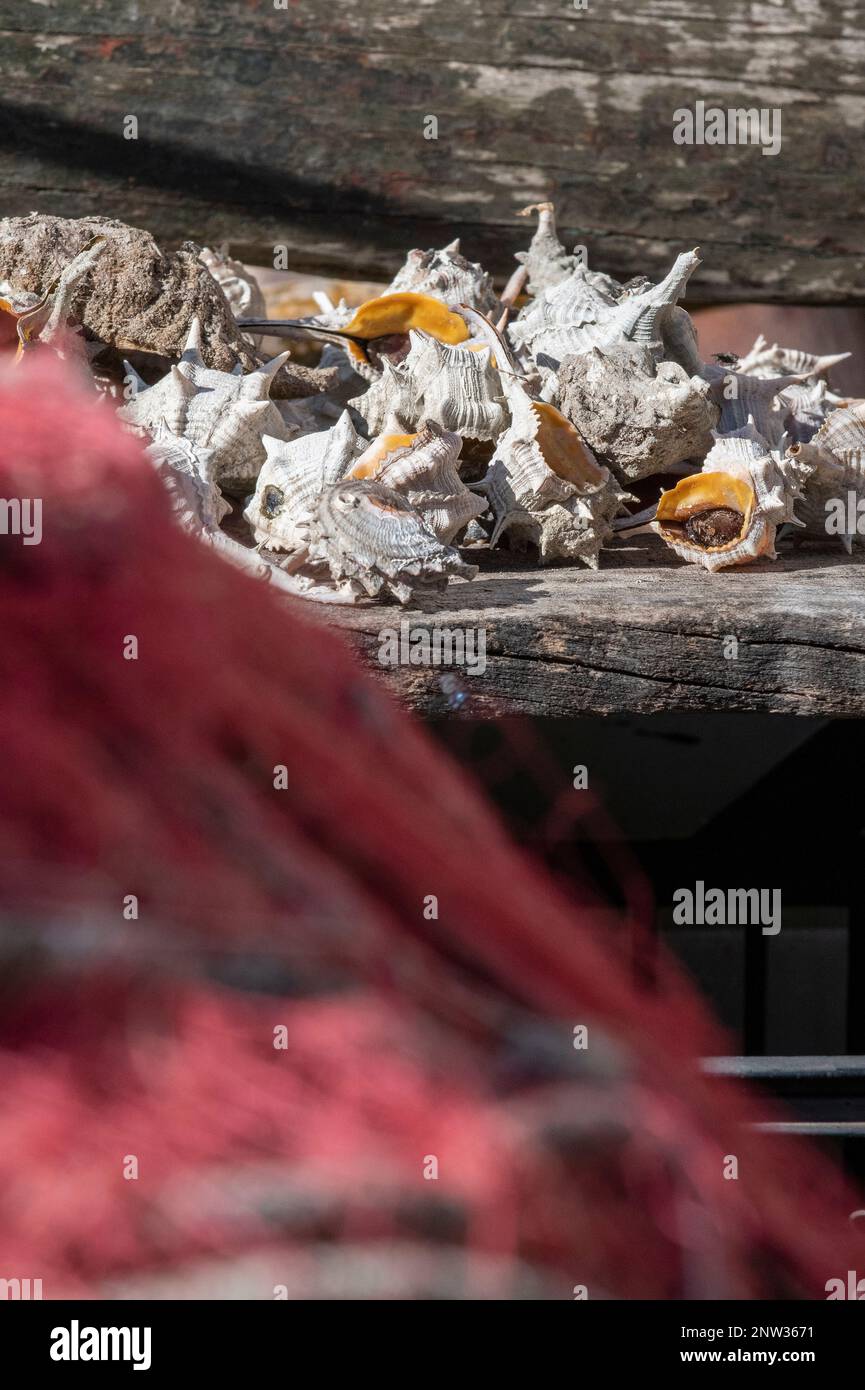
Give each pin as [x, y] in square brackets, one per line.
[374, 543]
[456, 386]
[547, 261]
[292, 478]
[545, 487]
[637, 318]
[767, 361]
[568, 304]
[199, 508]
[225, 412]
[836, 455]
[188, 474]
[378, 331]
[741, 397]
[135, 295]
[447, 275]
[423, 468]
[638, 418]
[729, 513]
[805, 406]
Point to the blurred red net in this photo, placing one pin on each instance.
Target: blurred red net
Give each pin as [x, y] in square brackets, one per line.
[239, 1055]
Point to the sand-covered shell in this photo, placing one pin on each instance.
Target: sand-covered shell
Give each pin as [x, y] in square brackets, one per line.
[636, 318]
[447, 275]
[423, 468]
[373, 543]
[729, 513]
[544, 486]
[637, 417]
[137, 296]
[454, 385]
[836, 486]
[225, 412]
[293, 476]
[49, 322]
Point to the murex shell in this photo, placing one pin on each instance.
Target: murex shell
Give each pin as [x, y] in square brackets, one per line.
[293, 476]
[373, 542]
[545, 487]
[225, 412]
[447, 275]
[766, 361]
[423, 468]
[836, 454]
[641, 419]
[728, 514]
[564, 323]
[199, 507]
[453, 385]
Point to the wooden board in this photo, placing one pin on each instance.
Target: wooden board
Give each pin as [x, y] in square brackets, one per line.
[643, 633]
[303, 127]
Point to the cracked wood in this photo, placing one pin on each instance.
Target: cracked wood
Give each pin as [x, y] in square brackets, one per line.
[644, 633]
[304, 127]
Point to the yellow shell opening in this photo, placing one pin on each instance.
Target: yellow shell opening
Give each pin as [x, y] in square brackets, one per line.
[371, 459]
[397, 313]
[563, 448]
[704, 492]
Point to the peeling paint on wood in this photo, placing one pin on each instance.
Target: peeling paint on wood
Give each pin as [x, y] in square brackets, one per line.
[303, 127]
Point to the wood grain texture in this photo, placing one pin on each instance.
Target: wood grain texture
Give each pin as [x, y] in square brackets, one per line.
[644, 633]
[303, 127]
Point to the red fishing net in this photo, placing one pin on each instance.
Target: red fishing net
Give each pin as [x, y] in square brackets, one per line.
[284, 1012]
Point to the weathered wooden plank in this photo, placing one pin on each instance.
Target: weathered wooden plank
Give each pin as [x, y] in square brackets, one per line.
[644, 633]
[303, 127]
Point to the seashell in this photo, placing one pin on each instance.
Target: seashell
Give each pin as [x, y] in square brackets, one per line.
[548, 263]
[293, 477]
[50, 322]
[836, 455]
[135, 295]
[767, 361]
[805, 406]
[447, 275]
[423, 469]
[640, 419]
[238, 284]
[455, 386]
[545, 487]
[199, 508]
[741, 397]
[188, 474]
[729, 513]
[638, 318]
[373, 543]
[225, 412]
[378, 331]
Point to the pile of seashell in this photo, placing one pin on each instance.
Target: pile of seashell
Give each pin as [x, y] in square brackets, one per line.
[440, 414]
